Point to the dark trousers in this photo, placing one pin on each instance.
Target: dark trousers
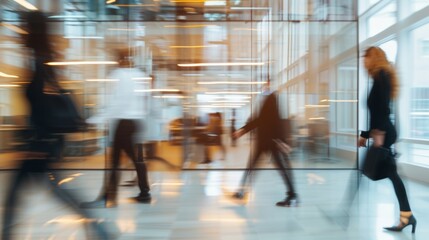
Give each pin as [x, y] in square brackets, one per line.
[398, 185]
[37, 170]
[401, 193]
[281, 162]
[124, 141]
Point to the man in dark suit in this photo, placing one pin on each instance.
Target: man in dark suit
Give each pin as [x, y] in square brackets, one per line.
[270, 138]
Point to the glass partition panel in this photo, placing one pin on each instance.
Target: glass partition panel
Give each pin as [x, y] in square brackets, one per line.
[196, 82]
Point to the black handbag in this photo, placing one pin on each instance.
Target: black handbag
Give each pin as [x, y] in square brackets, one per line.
[60, 112]
[377, 163]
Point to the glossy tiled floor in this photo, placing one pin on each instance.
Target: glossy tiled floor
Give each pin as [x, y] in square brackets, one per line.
[195, 205]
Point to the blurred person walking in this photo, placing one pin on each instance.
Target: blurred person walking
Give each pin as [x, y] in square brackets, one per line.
[232, 129]
[381, 130]
[216, 127]
[269, 139]
[125, 111]
[213, 137]
[45, 146]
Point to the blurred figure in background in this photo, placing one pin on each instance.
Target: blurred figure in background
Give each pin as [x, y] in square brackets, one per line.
[151, 9]
[213, 136]
[269, 139]
[45, 146]
[381, 130]
[127, 111]
[217, 128]
[232, 130]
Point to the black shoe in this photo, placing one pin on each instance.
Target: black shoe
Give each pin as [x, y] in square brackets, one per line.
[411, 221]
[143, 198]
[206, 162]
[99, 204]
[290, 200]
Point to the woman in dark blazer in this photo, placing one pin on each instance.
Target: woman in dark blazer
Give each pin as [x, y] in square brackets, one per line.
[381, 128]
[45, 146]
[269, 133]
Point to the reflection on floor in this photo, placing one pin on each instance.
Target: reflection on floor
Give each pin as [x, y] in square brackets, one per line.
[195, 205]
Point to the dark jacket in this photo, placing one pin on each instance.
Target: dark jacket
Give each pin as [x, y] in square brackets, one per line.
[379, 107]
[42, 74]
[267, 123]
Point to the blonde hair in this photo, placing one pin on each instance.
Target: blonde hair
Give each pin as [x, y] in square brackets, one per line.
[380, 62]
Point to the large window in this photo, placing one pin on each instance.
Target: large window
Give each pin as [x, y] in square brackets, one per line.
[383, 19]
[418, 85]
[419, 4]
[409, 51]
[391, 49]
[366, 4]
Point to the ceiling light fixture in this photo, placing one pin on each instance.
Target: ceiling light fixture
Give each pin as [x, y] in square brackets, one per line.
[83, 37]
[7, 75]
[329, 100]
[187, 1]
[101, 80]
[250, 8]
[68, 16]
[157, 90]
[190, 26]
[126, 29]
[193, 74]
[196, 46]
[228, 101]
[247, 93]
[169, 96]
[213, 106]
[316, 106]
[14, 28]
[81, 63]
[215, 3]
[226, 82]
[134, 5]
[220, 64]
[26, 4]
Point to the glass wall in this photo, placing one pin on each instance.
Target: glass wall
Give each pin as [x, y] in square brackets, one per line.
[405, 45]
[196, 63]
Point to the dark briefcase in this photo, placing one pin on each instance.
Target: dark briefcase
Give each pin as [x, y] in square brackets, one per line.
[377, 163]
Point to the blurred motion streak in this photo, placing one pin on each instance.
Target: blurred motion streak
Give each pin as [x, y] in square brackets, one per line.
[14, 28]
[26, 4]
[220, 64]
[7, 75]
[81, 63]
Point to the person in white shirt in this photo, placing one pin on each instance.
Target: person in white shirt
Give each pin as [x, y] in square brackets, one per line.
[126, 111]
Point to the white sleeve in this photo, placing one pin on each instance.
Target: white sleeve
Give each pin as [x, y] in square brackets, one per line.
[104, 114]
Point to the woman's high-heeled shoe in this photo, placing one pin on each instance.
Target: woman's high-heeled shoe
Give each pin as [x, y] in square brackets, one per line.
[403, 224]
